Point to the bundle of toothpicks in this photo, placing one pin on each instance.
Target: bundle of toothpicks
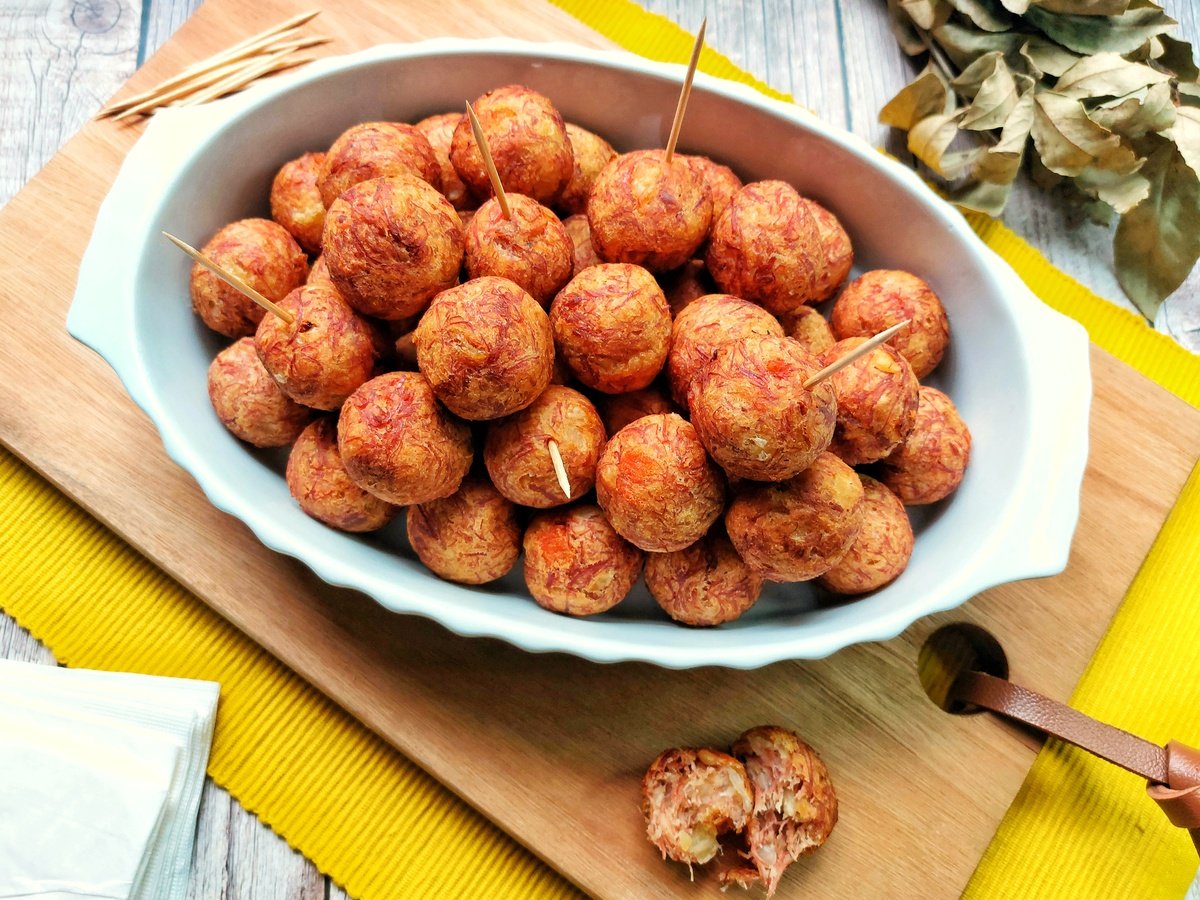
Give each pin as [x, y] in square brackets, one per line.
[274, 50]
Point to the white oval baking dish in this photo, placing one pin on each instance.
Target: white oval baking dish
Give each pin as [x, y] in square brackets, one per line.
[1017, 370]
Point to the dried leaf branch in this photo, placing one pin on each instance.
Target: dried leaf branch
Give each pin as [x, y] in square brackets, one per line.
[1094, 96]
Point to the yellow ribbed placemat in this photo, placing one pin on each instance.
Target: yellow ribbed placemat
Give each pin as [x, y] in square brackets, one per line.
[382, 828]
[1082, 828]
[362, 812]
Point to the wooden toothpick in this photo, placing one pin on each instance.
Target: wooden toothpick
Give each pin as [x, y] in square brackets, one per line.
[560, 471]
[276, 62]
[217, 73]
[224, 74]
[684, 94]
[488, 162]
[240, 51]
[855, 354]
[230, 279]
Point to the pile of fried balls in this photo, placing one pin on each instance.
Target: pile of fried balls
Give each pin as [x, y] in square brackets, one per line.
[653, 319]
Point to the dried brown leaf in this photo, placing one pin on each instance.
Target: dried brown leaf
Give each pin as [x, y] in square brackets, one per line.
[1149, 51]
[904, 30]
[1015, 133]
[996, 99]
[1131, 116]
[995, 168]
[1124, 33]
[1185, 132]
[969, 79]
[927, 14]
[928, 94]
[1177, 56]
[1049, 57]
[985, 14]
[1106, 75]
[1158, 242]
[1119, 132]
[986, 197]
[1085, 7]
[964, 44]
[1069, 142]
[929, 139]
[1120, 192]
[960, 163]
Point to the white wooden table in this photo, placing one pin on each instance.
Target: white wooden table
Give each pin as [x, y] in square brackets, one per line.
[61, 59]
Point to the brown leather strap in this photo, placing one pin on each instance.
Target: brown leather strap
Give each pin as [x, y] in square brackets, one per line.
[1173, 771]
[1180, 796]
[1126, 750]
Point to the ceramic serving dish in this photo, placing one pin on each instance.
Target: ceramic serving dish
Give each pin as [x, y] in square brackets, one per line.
[1017, 370]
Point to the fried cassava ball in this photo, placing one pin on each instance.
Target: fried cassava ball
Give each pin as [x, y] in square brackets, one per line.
[576, 564]
[755, 415]
[930, 464]
[263, 255]
[879, 299]
[612, 326]
[706, 325]
[657, 485]
[580, 233]
[531, 247]
[722, 182]
[882, 549]
[691, 797]
[471, 537]
[391, 245]
[795, 806]
[704, 584]
[876, 401]
[249, 402]
[798, 529]
[486, 348]
[618, 410]
[439, 131]
[767, 247]
[649, 212]
[808, 328]
[591, 153]
[516, 451]
[318, 481]
[325, 353]
[839, 253]
[376, 150]
[528, 142]
[296, 202]
[399, 443]
[319, 273]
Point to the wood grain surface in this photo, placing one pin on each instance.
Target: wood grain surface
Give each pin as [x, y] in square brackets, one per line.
[52, 74]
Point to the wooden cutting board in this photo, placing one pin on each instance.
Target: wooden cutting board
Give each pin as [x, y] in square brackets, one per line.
[551, 747]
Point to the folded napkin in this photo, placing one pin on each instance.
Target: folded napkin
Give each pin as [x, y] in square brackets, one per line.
[100, 780]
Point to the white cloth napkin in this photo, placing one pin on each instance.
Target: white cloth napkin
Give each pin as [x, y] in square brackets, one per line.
[100, 780]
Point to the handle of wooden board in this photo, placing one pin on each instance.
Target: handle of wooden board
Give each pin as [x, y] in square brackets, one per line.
[1173, 771]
